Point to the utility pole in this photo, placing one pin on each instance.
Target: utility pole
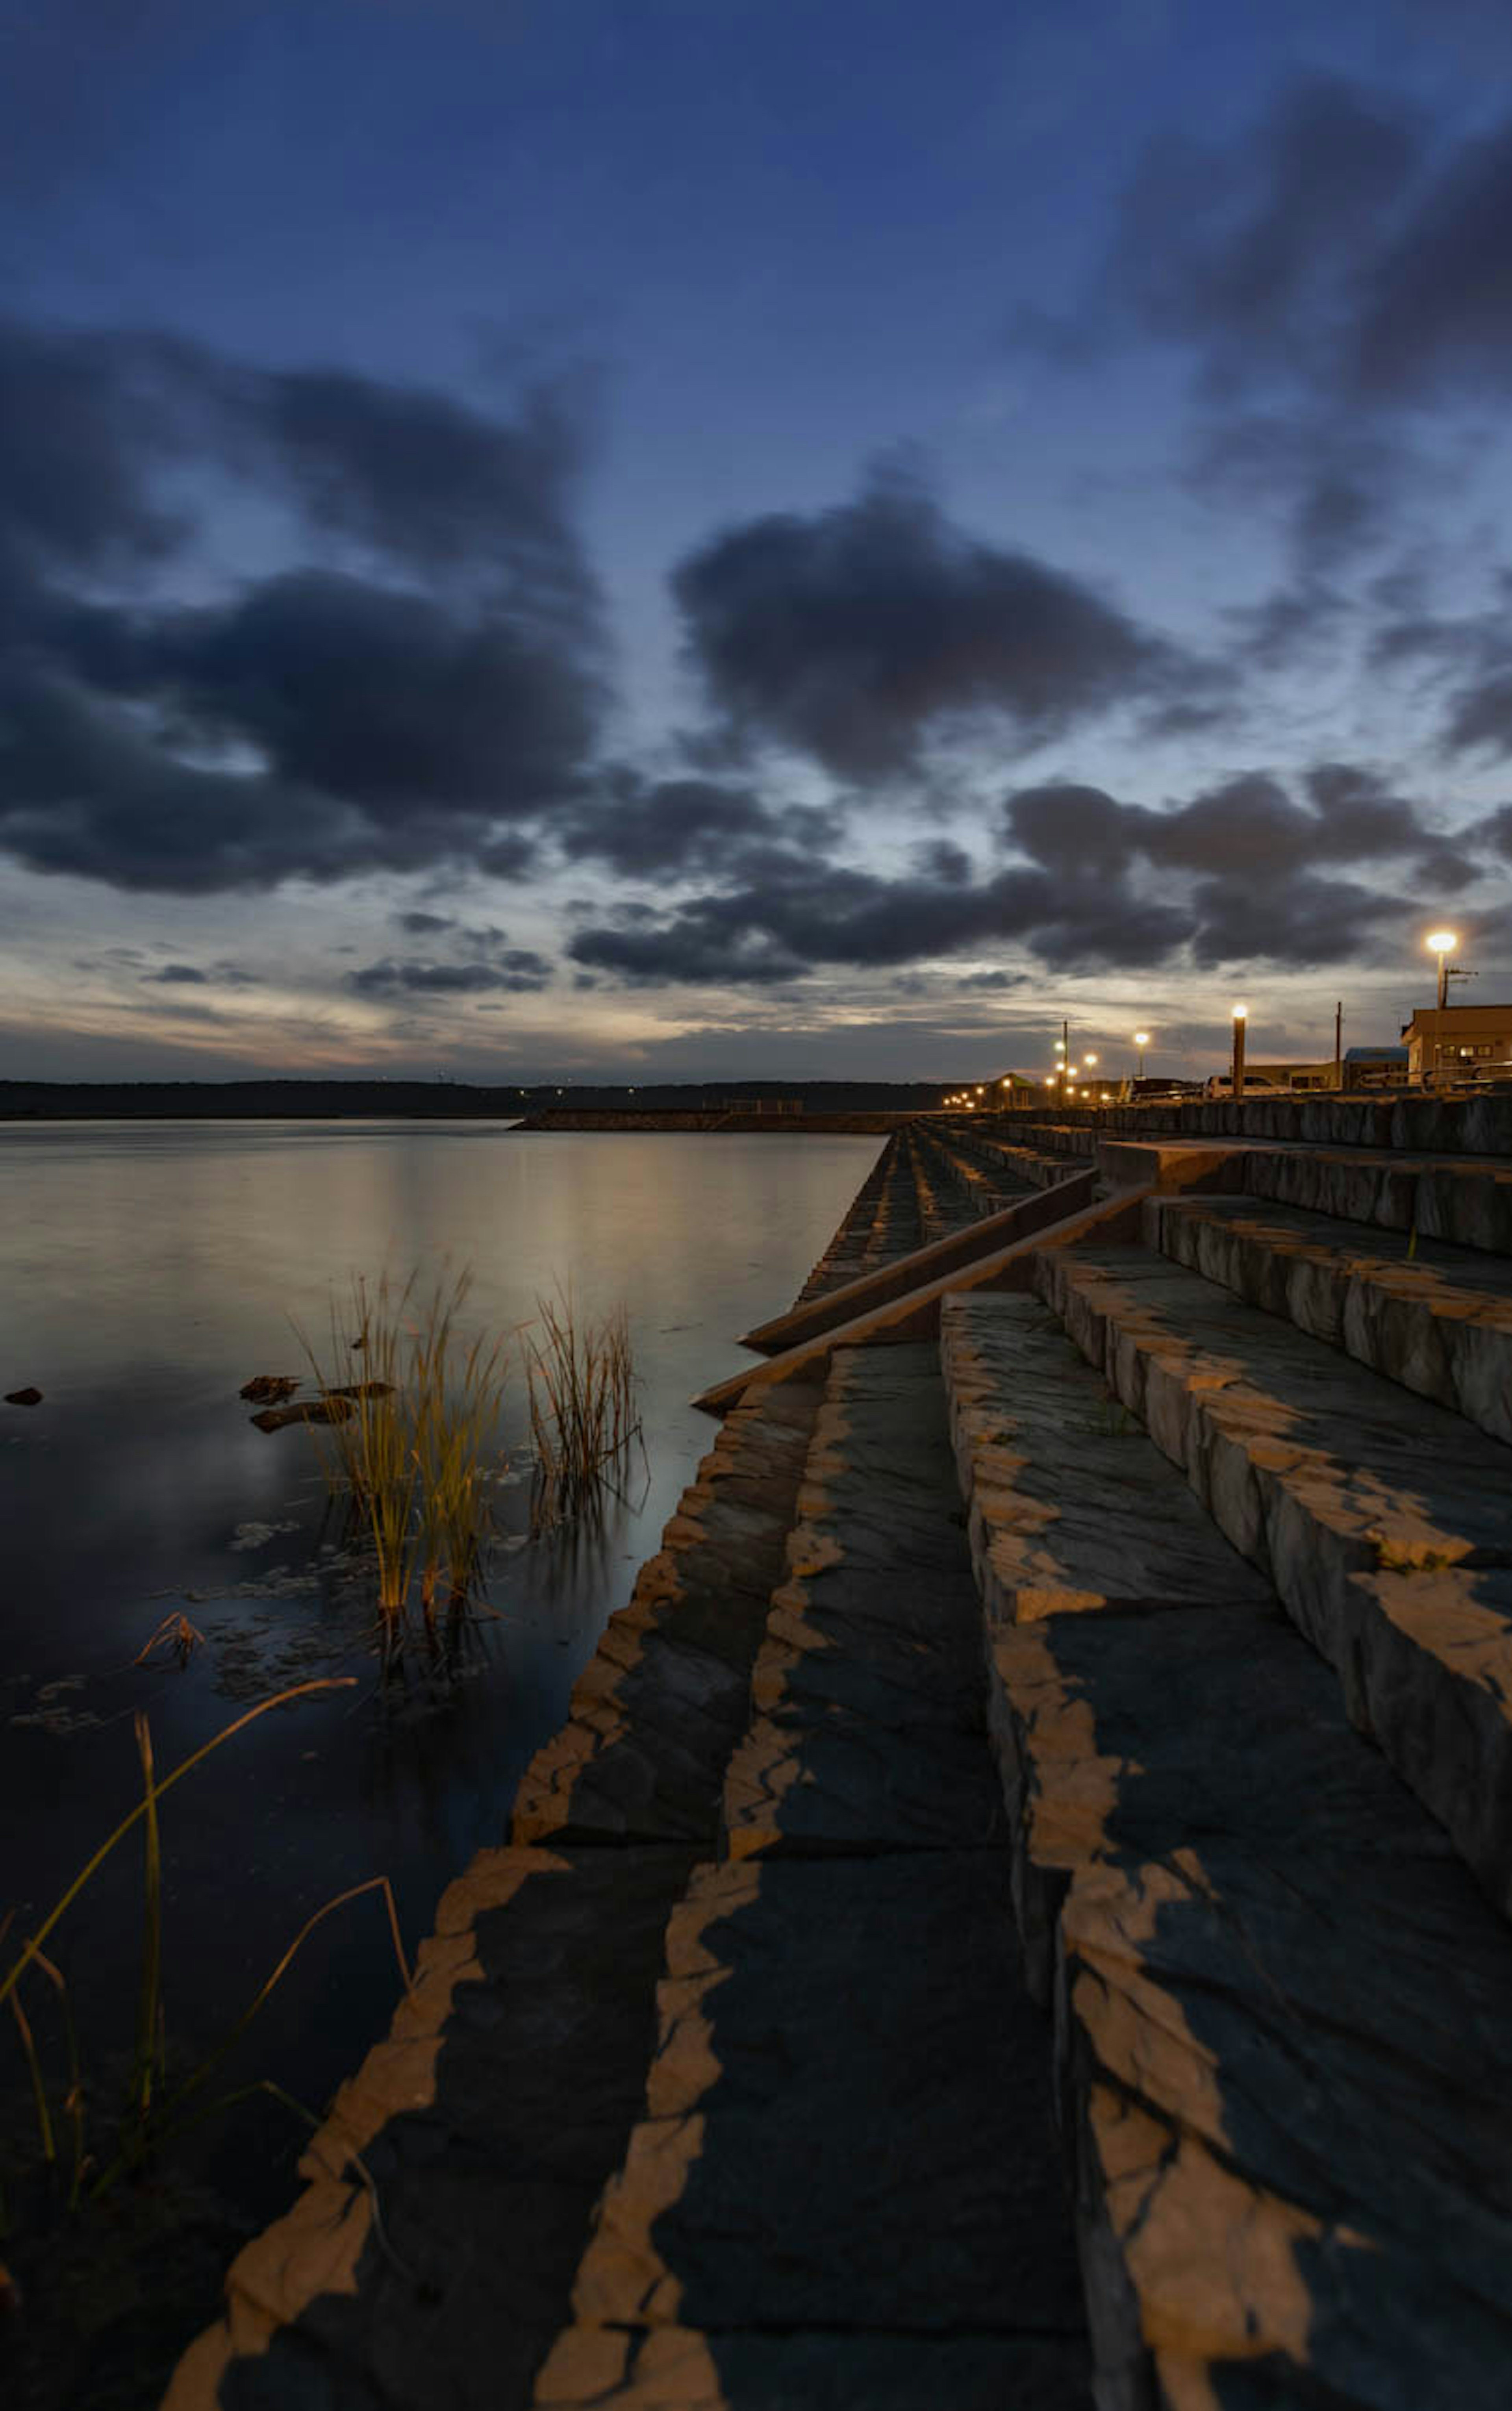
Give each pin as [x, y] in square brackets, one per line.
[1338, 1044]
[1237, 1078]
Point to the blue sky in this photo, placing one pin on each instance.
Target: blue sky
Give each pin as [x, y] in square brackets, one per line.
[690, 537]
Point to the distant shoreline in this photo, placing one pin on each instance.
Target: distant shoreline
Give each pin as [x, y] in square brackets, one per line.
[751, 1104]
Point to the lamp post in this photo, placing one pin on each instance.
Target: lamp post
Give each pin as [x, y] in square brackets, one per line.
[1142, 1040]
[1443, 942]
[1241, 1014]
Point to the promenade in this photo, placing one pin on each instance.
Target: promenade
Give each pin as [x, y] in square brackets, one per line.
[1017, 1916]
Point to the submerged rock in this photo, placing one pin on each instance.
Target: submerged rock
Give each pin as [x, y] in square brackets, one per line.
[270, 1389]
[331, 1410]
[23, 1398]
[361, 1390]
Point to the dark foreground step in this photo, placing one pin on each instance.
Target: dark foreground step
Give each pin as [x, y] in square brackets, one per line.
[1384, 1522]
[1283, 2009]
[845, 2188]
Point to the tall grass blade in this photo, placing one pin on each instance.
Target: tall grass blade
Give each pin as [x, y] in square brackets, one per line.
[32, 1948]
[149, 1999]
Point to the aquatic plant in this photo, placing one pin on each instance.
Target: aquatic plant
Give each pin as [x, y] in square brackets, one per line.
[417, 1455]
[150, 2114]
[582, 1390]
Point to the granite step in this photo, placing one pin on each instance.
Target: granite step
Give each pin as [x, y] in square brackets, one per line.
[1435, 1318]
[845, 2188]
[842, 1259]
[868, 1729]
[1284, 2008]
[661, 1703]
[1384, 1522]
[1464, 1200]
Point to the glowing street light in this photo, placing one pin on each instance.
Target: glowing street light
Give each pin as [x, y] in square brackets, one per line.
[1142, 1040]
[1089, 1061]
[1443, 942]
[1241, 1016]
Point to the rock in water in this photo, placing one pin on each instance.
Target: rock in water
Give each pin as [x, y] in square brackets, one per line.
[270, 1389]
[308, 1411]
[23, 1398]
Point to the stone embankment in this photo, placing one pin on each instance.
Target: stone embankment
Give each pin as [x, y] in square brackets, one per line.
[606, 1118]
[1018, 1913]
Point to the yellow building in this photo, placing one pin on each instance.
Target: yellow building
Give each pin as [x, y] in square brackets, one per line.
[1463, 1038]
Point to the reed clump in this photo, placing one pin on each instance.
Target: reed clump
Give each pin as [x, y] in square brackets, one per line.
[581, 1379]
[153, 2110]
[419, 1452]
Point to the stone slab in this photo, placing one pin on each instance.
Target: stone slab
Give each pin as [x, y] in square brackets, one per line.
[848, 2121]
[1282, 2008]
[1463, 1201]
[869, 1724]
[661, 1703]
[1072, 1507]
[678, 2369]
[1436, 1319]
[438, 2271]
[1384, 1522]
[916, 1314]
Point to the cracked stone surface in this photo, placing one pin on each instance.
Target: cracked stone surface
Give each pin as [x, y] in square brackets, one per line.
[1438, 1319]
[848, 2119]
[678, 2369]
[1351, 1497]
[1070, 1506]
[1467, 1203]
[868, 1693]
[1293, 2166]
[536, 1992]
[659, 1706]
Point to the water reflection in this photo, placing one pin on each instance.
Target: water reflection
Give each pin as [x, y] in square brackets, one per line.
[146, 1272]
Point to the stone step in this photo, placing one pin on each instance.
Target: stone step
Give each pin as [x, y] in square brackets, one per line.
[846, 2188]
[1383, 1522]
[843, 1258]
[1035, 1209]
[1462, 1200]
[1283, 2009]
[868, 1730]
[661, 1703]
[1435, 1318]
[485, 2125]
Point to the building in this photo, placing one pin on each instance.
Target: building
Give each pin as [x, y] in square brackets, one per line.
[1377, 1067]
[1462, 1038]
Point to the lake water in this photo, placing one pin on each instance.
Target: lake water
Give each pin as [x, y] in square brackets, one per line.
[146, 1271]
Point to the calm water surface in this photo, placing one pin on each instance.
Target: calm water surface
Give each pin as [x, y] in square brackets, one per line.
[146, 1271]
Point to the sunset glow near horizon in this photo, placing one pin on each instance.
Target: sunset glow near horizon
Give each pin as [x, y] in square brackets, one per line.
[725, 538]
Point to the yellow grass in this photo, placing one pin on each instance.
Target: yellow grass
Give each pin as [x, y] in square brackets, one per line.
[583, 1420]
[416, 1455]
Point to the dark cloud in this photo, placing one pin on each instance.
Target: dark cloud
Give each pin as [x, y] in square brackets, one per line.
[856, 635]
[178, 974]
[1247, 826]
[1471, 658]
[1249, 252]
[423, 925]
[1244, 871]
[768, 933]
[517, 973]
[321, 722]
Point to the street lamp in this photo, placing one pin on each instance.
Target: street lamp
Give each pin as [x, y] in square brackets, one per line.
[1443, 942]
[1142, 1040]
[1089, 1059]
[1241, 1014]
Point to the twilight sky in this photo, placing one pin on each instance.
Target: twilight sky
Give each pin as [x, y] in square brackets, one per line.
[667, 538]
